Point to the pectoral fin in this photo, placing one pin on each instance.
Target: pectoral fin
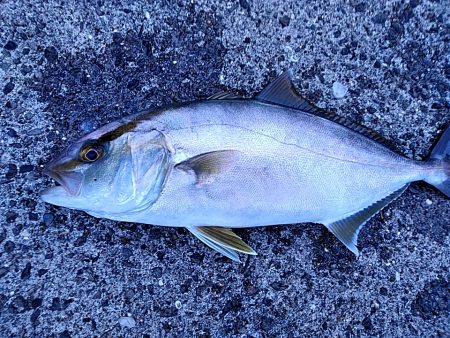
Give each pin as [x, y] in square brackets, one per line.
[208, 165]
[347, 229]
[223, 240]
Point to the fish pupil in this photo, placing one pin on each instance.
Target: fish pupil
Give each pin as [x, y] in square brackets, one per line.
[92, 155]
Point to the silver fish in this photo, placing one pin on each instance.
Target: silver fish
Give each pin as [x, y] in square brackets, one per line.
[229, 162]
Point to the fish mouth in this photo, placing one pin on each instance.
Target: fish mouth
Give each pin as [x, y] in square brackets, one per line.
[69, 180]
[56, 195]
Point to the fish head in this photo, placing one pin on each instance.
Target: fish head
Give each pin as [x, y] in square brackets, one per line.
[119, 168]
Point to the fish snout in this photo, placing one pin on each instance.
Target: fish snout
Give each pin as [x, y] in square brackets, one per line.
[50, 168]
[69, 178]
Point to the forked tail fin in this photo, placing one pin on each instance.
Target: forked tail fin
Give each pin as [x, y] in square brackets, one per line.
[441, 155]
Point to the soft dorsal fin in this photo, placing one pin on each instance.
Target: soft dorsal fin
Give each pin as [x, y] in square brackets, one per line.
[208, 165]
[224, 96]
[347, 229]
[282, 92]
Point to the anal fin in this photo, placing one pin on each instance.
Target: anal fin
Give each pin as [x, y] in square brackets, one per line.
[347, 229]
[222, 240]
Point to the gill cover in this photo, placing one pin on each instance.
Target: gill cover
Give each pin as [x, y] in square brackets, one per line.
[145, 168]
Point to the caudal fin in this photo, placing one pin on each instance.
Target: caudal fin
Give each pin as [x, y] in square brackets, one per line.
[441, 154]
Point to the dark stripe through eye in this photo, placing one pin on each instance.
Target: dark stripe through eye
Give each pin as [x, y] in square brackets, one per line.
[116, 133]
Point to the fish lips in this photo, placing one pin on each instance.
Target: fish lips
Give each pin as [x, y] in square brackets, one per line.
[71, 181]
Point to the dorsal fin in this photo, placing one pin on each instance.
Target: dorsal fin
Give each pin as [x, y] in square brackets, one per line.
[224, 96]
[282, 92]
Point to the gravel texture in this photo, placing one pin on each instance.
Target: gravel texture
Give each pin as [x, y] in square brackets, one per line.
[68, 67]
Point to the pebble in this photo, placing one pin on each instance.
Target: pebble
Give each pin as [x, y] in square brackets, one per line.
[25, 234]
[36, 302]
[11, 216]
[432, 301]
[8, 88]
[168, 312]
[360, 7]
[10, 45]
[88, 126]
[133, 84]
[128, 322]
[197, 258]
[42, 272]
[245, 5]
[232, 305]
[380, 18]
[64, 334]
[127, 252]
[26, 272]
[26, 168]
[279, 286]
[59, 304]
[35, 131]
[48, 218]
[34, 316]
[51, 54]
[3, 271]
[284, 21]
[367, 324]
[339, 90]
[178, 304]
[19, 304]
[17, 229]
[9, 246]
[428, 202]
[12, 171]
[11, 133]
[184, 288]
[157, 272]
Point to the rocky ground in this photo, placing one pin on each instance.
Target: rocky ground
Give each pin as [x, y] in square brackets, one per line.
[68, 67]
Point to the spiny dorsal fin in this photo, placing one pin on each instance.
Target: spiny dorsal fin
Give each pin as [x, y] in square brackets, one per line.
[223, 240]
[207, 165]
[282, 92]
[347, 229]
[224, 96]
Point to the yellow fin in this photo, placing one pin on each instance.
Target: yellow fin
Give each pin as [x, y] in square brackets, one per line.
[208, 165]
[223, 240]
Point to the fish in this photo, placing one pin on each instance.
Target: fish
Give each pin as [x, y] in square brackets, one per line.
[229, 162]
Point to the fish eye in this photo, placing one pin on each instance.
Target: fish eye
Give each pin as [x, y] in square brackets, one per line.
[91, 153]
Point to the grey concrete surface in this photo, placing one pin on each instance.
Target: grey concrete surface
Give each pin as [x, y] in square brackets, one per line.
[68, 67]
